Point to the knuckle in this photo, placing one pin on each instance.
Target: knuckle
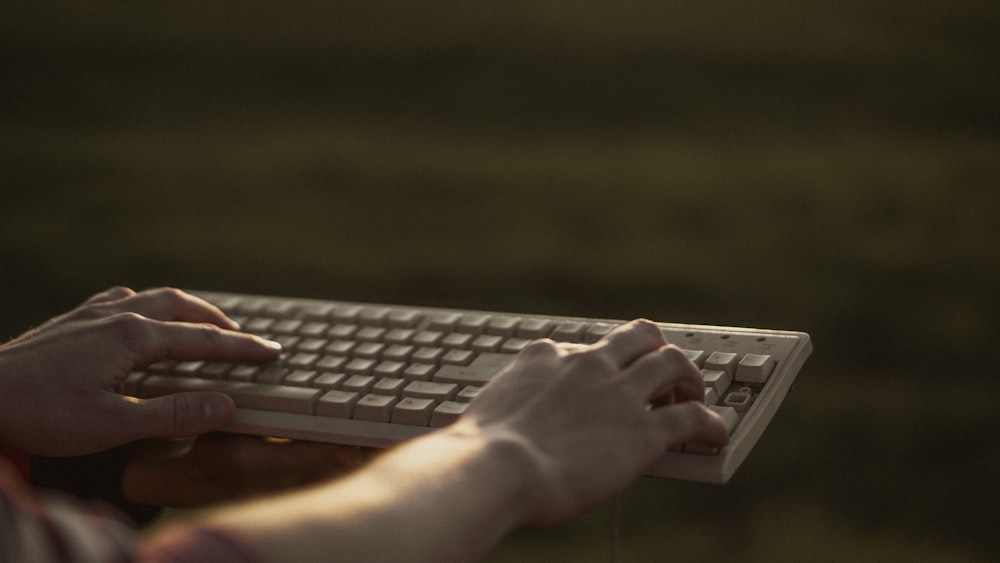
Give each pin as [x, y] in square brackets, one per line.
[119, 290]
[127, 322]
[169, 294]
[133, 330]
[539, 348]
[673, 354]
[647, 327]
[592, 360]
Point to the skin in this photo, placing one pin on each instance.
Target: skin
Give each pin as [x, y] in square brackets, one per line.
[565, 427]
[71, 369]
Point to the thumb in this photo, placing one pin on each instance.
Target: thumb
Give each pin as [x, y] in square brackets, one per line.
[185, 414]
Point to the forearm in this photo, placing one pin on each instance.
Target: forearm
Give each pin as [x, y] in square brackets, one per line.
[450, 496]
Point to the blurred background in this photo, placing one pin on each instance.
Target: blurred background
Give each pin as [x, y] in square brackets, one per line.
[830, 167]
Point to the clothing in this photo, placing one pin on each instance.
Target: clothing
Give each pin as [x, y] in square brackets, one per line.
[53, 527]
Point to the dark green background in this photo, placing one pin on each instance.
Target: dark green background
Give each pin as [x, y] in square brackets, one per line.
[829, 167]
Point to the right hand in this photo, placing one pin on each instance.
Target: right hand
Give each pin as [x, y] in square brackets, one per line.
[594, 417]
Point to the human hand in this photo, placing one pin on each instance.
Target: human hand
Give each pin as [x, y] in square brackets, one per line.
[593, 417]
[219, 467]
[59, 383]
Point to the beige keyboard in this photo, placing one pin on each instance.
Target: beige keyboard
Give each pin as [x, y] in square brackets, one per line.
[375, 375]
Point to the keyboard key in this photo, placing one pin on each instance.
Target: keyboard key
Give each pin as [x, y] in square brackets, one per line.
[404, 318]
[302, 361]
[487, 343]
[754, 368]
[335, 403]
[314, 329]
[414, 411]
[374, 315]
[473, 323]
[244, 372]
[271, 374]
[535, 328]
[697, 357]
[456, 340]
[716, 379]
[458, 357]
[346, 314]
[281, 398]
[370, 334]
[188, 368]
[443, 322]
[389, 386]
[503, 325]
[478, 372]
[723, 361]
[420, 372]
[340, 347]
[430, 338]
[568, 331]
[514, 345]
[286, 326]
[431, 390]
[341, 331]
[711, 397]
[369, 349]
[329, 381]
[377, 408]
[467, 393]
[447, 413]
[398, 352]
[359, 383]
[300, 378]
[428, 355]
[399, 336]
[360, 366]
[215, 370]
[389, 369]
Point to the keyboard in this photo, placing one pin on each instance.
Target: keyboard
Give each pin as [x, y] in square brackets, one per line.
[375, 375]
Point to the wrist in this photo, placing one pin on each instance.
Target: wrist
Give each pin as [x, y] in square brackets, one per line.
[522, 472]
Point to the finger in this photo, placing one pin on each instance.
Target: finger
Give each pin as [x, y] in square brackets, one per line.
[667, 371]
[185, 341]
[690, 422]
[541, 349]
[150, 341]
[631, 341]
[169, 304]
[109, 295]
[180, 414]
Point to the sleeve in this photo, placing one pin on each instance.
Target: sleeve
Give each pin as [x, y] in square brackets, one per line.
[92, 478]
[55, 528]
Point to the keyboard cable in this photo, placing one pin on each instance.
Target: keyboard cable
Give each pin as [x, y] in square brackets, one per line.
[616, 523]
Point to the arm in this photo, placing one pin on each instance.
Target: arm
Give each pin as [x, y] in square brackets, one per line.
[564, 428]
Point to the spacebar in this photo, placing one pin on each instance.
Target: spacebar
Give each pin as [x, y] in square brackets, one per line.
[323, 429]
[283, 398]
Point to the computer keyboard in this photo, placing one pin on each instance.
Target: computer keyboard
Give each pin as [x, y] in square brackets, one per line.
[375, 375]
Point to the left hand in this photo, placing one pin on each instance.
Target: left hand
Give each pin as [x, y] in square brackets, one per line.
[59, 383]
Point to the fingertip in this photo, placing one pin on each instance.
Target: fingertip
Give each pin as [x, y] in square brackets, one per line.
[187, 414]
[217, 410]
